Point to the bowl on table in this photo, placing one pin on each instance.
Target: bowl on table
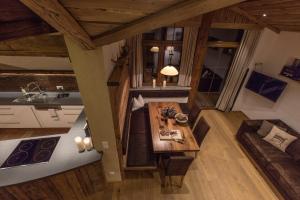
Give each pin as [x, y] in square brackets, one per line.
[181, 118]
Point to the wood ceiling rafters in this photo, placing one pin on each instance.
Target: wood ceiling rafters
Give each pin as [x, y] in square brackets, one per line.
[178, 12]
[16, 21]
[58, 17]
[254, 19]
[108, 20]
[281, 14]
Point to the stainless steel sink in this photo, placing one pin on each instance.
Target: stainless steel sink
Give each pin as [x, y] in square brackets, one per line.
[34, 98]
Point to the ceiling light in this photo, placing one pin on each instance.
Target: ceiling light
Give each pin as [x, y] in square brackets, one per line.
[169, 70]
[154, 49]
[264, 15]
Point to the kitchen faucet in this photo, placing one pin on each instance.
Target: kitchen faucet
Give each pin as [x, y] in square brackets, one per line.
[31, 89]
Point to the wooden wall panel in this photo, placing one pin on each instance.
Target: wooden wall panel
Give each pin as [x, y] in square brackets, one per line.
[82, 183]
[43, 45]
[47, 80]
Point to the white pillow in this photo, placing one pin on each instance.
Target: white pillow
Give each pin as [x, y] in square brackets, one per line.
[141, 100]
[136, 104]
[279, 138]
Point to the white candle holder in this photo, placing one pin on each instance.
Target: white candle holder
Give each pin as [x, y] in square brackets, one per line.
[154, 83]
[80, 145]
[164, 83]
[88, 143]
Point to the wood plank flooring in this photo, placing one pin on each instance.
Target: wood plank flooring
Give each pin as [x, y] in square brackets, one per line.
[220, 172]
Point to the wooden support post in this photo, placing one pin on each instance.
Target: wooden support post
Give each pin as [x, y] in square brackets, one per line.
[90, 73]
[199, 57]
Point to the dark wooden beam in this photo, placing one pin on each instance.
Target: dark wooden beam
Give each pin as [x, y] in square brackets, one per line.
[222, 44]
[58, 17]
[179, 12]
[17, 29]
[254, 19]
[199, 56]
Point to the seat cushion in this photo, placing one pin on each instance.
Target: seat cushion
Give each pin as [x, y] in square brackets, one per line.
[294, 150]
[138, 121]
[262, 151]
[286, 175]
[283, 172]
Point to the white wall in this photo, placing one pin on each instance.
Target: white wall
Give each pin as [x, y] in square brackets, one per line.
[111, 51]
[274, 51]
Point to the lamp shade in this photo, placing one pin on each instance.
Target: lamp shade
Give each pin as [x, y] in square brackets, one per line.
[154, 49]
[169, 70]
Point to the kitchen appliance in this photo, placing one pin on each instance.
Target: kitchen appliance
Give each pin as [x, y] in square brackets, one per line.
[31, 152]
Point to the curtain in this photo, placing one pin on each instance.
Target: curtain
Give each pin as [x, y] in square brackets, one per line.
[187, 57]
[238, 70]
[136, 60]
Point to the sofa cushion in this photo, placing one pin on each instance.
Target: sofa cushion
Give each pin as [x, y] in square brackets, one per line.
[286, 175]
[279, 138]
[294, 150]
[266, 127]
[262, 151]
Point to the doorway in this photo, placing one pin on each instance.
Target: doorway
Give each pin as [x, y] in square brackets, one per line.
[222, 46]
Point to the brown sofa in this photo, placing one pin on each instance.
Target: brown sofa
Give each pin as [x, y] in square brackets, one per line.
[279, 167]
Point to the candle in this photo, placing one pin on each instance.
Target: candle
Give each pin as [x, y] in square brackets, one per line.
[79, 143]
[164, 83]
[154, 83]
[88, 143]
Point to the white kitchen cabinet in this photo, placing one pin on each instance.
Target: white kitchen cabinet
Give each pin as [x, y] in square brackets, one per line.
[62, 116]
[17, 116]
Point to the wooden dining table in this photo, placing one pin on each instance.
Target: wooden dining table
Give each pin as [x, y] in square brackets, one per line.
[189, 143]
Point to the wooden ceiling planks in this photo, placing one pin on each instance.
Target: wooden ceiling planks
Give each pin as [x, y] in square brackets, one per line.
[16, 21]
[176, 13]
[57, 16]
[227, 19]
[101, 17]
[121, 11]
[281, 14]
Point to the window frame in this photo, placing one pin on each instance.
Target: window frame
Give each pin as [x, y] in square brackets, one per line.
[162, 44]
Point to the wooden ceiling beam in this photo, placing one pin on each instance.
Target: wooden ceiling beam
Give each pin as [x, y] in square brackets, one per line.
[58, 17]
[176, 13]
[254, 19]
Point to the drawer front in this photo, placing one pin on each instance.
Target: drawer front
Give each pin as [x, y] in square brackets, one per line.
[6, 110]
[72, 110]
[17, 117]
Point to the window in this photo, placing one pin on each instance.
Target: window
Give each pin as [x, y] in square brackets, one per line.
[167, 40]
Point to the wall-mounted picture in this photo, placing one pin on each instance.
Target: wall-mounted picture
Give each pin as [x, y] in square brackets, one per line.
[292, 69]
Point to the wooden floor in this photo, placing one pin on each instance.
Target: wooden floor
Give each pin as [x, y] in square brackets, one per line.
[220, 172]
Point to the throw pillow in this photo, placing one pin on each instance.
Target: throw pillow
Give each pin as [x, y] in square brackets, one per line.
[279, 138]
[266, 127]
[141, 100]
[294, 150]
[136, 104]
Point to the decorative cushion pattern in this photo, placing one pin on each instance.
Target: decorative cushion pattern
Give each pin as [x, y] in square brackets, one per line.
[279, 138]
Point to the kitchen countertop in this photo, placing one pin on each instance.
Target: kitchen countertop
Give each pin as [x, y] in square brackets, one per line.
[6, 98]
[64, 157]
